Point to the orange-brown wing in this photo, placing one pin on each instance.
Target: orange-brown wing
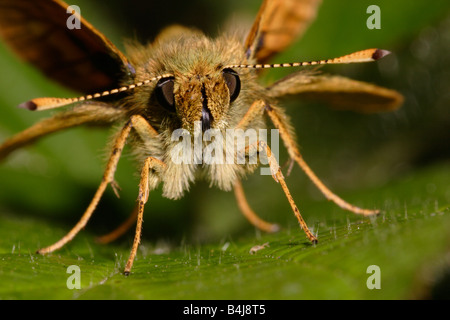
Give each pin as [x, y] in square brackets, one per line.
[81, 59]
[94, 114]
[338, 92]
[277, 25]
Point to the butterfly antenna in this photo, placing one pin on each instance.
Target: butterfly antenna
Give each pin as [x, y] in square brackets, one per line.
[367, 55]
[40, 104]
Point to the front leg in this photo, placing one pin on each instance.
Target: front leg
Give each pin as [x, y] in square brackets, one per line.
[282, 124]
[146, 132]
[255, 110]
[108, 178]
[136, 122]
[261, 146]
[149, 164]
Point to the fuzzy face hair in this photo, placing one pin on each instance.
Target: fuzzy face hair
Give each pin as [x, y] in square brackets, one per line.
[199, 86]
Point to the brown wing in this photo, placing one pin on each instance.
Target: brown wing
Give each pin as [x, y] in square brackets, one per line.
[277, 25]
[81, 59]
[94, 114]
[338, 92]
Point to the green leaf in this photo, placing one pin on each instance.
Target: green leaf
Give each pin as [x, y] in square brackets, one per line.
[408, 241]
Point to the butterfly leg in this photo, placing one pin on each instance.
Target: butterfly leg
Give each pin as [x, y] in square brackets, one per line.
[150, 164]
[278, 177]
[146, 132]
[282, 125]
[108, 178]
[255, 110]
[121, 229]
[249, 213]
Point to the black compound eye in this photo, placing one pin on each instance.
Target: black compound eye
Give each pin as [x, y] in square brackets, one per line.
[164, 93]
[233, 83]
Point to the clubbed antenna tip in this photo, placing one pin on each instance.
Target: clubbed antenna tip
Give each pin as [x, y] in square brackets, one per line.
[379, 53]
[30, 105]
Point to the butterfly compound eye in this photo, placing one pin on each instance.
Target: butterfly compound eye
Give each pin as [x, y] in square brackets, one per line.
[164, 93]
[233, 83]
